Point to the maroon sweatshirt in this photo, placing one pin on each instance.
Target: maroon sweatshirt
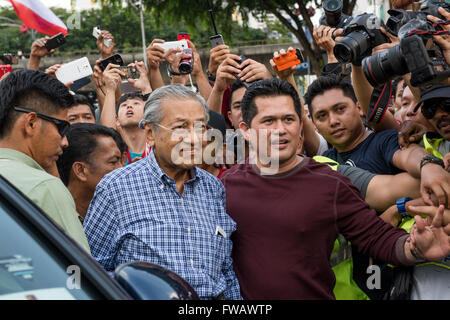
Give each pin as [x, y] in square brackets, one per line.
[287, 225]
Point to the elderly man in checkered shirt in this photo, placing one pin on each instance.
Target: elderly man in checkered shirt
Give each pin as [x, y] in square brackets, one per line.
[162, 209]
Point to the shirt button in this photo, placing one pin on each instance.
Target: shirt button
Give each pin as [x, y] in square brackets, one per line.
[192, 262]
[182, 201]
[161, 186]
[189, 229]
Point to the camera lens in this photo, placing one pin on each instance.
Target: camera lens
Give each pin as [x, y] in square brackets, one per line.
[353, 47]
[384, 66]
[332, 5]
[185, 66]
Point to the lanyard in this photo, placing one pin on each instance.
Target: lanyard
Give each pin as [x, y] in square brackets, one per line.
[143, 155]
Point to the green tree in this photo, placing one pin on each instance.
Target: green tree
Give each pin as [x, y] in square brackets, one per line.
[123, 23]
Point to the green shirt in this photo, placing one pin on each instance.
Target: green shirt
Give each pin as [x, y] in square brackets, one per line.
[45, 190]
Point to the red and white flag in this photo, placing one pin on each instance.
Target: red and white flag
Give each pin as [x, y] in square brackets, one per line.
[35, 15]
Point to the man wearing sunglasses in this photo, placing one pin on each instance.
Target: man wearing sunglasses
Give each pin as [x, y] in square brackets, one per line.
[435, 103]
[33, 109]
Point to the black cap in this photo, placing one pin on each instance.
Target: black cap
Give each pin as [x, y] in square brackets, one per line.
[433, 92]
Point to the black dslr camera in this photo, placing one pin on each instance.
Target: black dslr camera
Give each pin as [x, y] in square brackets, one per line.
[360, 37]
[333, 16]
[399, 17]
[417, 53]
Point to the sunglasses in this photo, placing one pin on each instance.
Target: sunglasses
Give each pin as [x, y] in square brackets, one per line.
[62, 125]
[429, 108]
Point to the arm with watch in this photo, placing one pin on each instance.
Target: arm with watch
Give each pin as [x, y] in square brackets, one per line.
[434, 179]
[429, 239]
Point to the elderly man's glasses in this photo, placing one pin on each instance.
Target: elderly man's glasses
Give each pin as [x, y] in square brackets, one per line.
[62, 125]
[182, 131]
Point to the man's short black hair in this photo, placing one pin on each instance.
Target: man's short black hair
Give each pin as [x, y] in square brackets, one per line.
[82, 138]
[30, 89]
[235, 86]
[325, 83]
[82, 99]
[128, 96]
[267, 88]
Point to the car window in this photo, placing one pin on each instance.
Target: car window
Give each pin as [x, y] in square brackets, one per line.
[30, 268]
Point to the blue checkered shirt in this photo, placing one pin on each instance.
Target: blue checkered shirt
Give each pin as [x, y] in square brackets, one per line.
[137, 214]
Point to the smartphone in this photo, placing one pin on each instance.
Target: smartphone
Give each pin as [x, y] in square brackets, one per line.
[96, 33]
[55, 41]
[4, 69]
[130, 73]
[74, 70]
[114, 59]
[216, 40]
[80, 83]
[181, 44]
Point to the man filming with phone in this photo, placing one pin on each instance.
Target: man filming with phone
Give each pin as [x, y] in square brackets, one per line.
[125, 114]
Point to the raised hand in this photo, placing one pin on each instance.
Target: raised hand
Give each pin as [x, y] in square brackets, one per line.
[112, 77]
[217, 56]
[105, 50]
[143, 83]
[443, 40]
[225, 72]
[38, 48]
[253, 70]
[286, 73]
[155, 54]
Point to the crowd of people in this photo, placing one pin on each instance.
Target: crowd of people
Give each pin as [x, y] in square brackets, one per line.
[243, 187]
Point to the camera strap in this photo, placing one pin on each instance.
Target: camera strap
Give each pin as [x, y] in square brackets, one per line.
[171, 72]
[379, 102]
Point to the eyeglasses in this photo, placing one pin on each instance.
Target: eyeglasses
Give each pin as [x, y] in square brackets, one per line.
[183, 131]
[62, 125]
[429, 108]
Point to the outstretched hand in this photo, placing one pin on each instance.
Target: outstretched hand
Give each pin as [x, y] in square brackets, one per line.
[410, 132]
[431, 238]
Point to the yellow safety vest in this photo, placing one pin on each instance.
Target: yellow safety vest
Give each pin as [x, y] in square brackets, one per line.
[341, 259]
[432, 145]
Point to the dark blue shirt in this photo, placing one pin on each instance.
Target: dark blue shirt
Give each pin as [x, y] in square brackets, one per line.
[374, 154]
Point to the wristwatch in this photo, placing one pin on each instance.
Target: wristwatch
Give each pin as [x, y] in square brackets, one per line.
[431, 159]
[210, 76]
[401, 207]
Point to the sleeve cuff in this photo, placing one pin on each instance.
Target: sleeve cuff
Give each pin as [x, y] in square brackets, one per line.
[400, 251]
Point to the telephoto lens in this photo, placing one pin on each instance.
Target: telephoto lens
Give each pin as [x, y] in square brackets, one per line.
[186, 66]
[332, 5]
[384, 66]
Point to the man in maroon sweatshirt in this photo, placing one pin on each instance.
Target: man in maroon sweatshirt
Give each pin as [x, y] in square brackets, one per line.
[289, 214]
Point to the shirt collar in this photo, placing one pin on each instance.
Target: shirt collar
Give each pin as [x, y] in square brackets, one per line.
[159, 173]
[11, 154]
